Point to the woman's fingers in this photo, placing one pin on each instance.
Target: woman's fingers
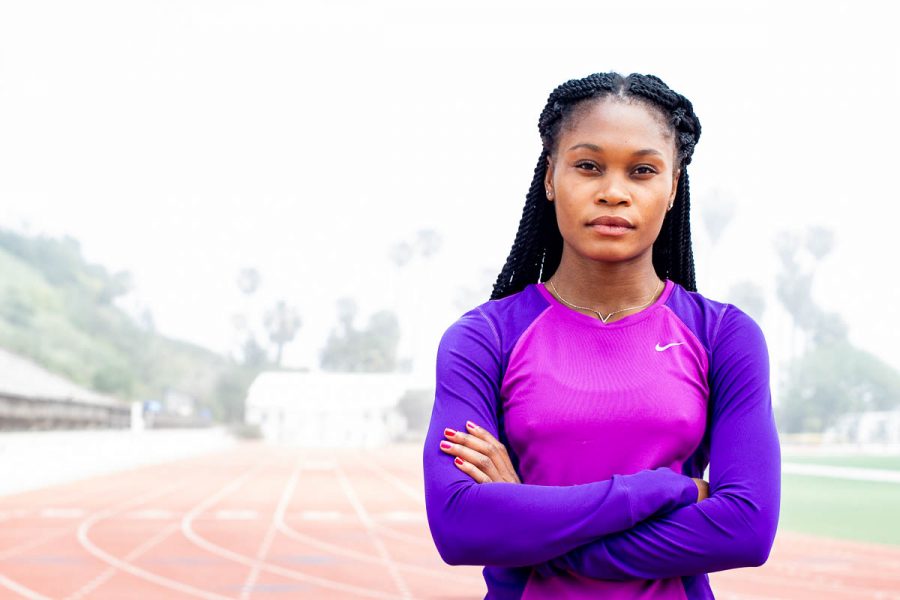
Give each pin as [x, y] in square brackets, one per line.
[481, 450]
[499, 454]
[471, 456]
[472, 471]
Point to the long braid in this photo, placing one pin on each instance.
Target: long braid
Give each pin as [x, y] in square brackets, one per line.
[525, 259]
[537, 249]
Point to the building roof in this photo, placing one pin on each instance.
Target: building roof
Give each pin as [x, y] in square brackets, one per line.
[22, 377]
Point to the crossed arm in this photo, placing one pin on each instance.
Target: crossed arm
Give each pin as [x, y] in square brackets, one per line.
[641, 526]
[512, 524]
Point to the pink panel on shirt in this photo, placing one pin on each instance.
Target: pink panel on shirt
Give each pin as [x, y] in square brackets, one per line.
[584, 400]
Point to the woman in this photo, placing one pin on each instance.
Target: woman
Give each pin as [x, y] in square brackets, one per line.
[577, 410]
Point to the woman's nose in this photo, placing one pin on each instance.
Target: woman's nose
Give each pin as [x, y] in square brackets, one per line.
[614, 194]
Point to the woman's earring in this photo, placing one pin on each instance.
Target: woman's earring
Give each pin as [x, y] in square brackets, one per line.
[549, 194]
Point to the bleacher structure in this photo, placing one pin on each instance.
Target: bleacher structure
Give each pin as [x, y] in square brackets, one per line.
[33, 398]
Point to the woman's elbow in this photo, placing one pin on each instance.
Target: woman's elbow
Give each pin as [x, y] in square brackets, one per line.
[454, 548]
[760, 546]
[756, 543]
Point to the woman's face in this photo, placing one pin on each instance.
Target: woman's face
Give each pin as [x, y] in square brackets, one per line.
[616, 159]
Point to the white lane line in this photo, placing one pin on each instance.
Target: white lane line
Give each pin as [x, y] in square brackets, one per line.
[369, 526]
[401, 516]
[61, 513]
[20, 589]
[34, 542]
[28, 545]
[856, 473]
[188, 531]
[408, 490]
[236, 515]
[405, 537]
[415, 494]
[125, 566]
[106, 575]
[16, 513]
[263, 551]
[321, 515]
[337, 550]
[151, 514]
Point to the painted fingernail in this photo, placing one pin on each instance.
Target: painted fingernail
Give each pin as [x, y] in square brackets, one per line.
[470, 425]
[446, 445]
[458, 461]
[449, 432]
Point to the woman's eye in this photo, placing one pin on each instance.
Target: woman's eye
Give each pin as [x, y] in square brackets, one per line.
[587, 164]
[645, 170]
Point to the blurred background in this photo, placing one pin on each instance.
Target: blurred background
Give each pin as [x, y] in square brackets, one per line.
[232, 234]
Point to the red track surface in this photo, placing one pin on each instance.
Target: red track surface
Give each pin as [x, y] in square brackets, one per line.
[260, 521]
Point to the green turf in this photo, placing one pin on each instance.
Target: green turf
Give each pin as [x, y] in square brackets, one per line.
[841, 508]
[866, 462]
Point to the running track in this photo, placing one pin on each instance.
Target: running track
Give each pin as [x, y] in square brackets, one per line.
[263, 521]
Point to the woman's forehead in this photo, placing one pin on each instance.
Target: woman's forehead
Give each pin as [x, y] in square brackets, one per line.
[617, 121]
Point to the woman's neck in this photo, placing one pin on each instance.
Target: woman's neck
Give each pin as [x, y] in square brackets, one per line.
[606, 286]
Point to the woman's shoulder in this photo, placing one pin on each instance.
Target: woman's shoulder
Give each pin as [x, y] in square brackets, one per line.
[500, 319]
[711, 320]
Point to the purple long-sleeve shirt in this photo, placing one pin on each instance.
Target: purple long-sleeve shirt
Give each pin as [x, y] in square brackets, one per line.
[605, 424]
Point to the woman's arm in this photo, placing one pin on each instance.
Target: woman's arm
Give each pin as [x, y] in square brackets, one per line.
[734, 527]
[510, 524]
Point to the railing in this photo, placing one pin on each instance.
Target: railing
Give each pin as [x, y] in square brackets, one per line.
[19, 412]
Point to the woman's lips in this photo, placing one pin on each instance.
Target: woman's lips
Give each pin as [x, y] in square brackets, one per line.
[611, 229]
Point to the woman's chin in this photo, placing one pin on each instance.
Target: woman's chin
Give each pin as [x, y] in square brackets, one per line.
[612, 252]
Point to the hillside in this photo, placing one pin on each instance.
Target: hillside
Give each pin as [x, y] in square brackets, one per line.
[59, 311]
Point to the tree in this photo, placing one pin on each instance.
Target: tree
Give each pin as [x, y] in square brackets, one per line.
[373, 349]
[427, 243]
[282, 323]
[831, 376]
[248, 280]
[470, 296]
[718, 209]
[252, 353]
[832, 379]
[749, 297]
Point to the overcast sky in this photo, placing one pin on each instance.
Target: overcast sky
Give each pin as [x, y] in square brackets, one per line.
[182, 141]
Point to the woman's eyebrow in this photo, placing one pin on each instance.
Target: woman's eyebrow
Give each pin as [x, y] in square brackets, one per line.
[596, 148]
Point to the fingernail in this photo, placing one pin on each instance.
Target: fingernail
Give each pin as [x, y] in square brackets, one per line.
[446, 445]
[449, 432]
[458, 461]
[470, 425]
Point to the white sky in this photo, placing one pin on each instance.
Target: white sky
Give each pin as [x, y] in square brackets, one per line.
[184, 140]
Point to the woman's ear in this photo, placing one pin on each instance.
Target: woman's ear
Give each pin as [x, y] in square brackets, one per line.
[548, 179]
[674, 193]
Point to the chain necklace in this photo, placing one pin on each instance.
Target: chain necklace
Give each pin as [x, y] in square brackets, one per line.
[598, 313]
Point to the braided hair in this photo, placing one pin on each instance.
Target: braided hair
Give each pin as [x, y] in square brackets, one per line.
[538, 245]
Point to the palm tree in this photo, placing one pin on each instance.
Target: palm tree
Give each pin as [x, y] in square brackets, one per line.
[282, 323]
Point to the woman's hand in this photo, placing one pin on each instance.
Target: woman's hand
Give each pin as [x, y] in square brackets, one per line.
[479, 455]
[702, 489]
[484, 459]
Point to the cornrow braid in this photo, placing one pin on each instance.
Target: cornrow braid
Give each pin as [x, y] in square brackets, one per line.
[537, 249]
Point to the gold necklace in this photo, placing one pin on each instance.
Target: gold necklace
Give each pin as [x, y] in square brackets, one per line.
[598, 313]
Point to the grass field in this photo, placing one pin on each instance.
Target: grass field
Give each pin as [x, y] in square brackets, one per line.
[855, 510]
[865, 462]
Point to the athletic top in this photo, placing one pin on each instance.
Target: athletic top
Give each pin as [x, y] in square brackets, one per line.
[605, 424]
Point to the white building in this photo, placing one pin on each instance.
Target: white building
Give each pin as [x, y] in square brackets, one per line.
[326, 409]
[872, 427]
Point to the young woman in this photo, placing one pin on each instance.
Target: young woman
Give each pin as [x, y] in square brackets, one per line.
[577, 409]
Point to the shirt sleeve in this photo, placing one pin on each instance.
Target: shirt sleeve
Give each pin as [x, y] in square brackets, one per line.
[517, 524]
[735, 526]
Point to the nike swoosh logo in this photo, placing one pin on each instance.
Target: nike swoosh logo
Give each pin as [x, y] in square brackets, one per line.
[661, 348]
